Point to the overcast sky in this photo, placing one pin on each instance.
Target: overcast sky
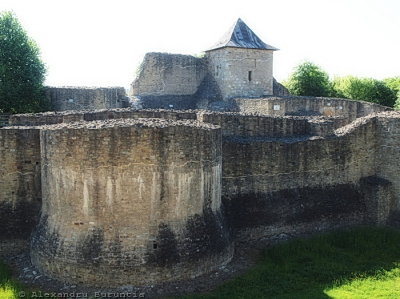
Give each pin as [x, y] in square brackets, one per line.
[101, 43]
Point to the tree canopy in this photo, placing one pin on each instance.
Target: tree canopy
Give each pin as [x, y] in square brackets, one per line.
[366, 89]
[22, 72]
[308, 79]
[394, 85]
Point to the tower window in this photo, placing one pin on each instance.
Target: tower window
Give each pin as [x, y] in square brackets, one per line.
[250, 76]
[217, 68]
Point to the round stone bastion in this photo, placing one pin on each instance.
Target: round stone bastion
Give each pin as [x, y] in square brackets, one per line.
[130, 202]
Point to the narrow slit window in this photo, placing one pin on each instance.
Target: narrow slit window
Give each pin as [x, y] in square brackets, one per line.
[250, 76]
[217, 70]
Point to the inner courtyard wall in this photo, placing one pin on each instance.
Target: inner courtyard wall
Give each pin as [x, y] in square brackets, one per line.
[301, 105]
[80, 98]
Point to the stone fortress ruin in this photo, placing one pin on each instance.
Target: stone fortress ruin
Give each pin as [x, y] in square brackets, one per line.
[214, 151]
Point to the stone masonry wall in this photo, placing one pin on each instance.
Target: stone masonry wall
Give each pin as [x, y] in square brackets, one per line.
[20, 192]
[73, 116]
[388, 156]
[131, 202]
[144, 113]
[295, 105]
[242, 72]
[239, 125]
[279, 89]
[341, 111]
[80, 98]
[233, 124]
[286, 186]
[163, 74]
[46, 118]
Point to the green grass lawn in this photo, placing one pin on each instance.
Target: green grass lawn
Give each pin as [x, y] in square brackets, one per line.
[361, 263]
[9, 288]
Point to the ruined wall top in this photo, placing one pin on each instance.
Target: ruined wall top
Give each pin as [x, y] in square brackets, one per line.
[168, 74]
[80, 98]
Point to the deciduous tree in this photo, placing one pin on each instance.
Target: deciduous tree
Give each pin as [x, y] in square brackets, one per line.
[365, 89]
[22, 72]
[308, 79]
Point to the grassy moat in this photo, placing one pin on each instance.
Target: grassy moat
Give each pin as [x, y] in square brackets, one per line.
[360, 263]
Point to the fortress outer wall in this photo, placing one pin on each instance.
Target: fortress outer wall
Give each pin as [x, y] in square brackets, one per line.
[130, 202]
[388, 156]
[20, 189]
[288, 186]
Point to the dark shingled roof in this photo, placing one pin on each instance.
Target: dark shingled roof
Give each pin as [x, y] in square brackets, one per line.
[241, 36]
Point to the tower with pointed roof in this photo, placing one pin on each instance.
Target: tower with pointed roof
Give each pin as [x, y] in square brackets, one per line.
[241, 63]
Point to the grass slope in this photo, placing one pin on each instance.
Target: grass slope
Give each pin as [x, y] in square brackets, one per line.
[361, 263]
[9, 289]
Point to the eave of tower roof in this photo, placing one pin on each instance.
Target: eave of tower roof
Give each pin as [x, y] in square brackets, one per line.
[241, 36]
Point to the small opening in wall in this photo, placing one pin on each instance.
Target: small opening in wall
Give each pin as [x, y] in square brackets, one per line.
[249, 76]
[217, 67]
[155, 245]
